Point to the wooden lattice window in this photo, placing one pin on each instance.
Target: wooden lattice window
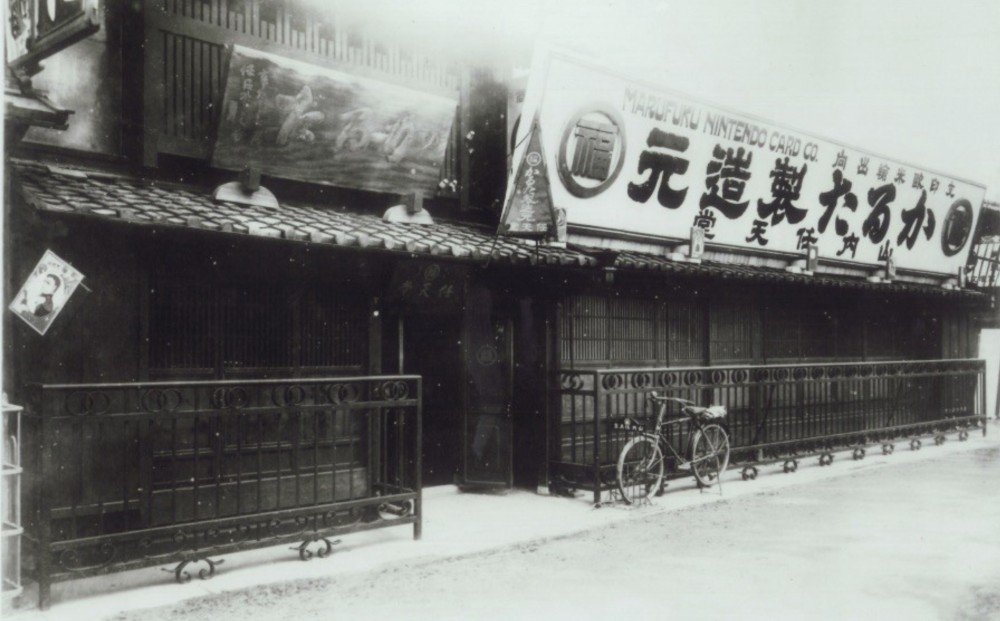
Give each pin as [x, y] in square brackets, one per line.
[584, 329]
[632, 329]
[781, 333]
[181, 319]
[260, 328]
[732, 329]
[797, 332]
[686, 332]
[612, 330]
[879, 335]
[818, 329]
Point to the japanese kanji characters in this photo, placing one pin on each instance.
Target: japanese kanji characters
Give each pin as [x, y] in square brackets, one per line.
[786, 183]
[661, 164]
[726, 178]
[595, 142]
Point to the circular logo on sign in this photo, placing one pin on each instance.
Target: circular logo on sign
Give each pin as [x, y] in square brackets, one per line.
[592, 151]
[534, 158]
[487, 355]
[432, 271]
[957, 227]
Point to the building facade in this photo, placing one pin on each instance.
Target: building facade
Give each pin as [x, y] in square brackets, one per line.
[195, 285]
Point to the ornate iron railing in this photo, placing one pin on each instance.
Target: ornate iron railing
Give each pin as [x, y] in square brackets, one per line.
[773, 410]
[121, 476]
[985, 260]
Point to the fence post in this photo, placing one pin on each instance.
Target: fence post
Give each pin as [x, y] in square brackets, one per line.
[982, 395]
[418, 526]
[43, 502]
[598, 410]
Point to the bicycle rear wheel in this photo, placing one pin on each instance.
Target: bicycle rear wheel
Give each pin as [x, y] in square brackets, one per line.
[709, 454]
[640, 469]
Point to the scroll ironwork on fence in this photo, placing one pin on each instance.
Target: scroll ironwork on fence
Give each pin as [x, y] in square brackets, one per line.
[130, 475]
[773, 410]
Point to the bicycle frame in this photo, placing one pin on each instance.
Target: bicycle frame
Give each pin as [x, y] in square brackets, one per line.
[641, 474]
[660, 438]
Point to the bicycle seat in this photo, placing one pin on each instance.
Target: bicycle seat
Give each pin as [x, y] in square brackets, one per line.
[655, 397]
[712, 411]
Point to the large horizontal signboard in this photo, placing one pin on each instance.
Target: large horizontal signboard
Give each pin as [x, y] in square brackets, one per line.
[628, 157]
[296, 120]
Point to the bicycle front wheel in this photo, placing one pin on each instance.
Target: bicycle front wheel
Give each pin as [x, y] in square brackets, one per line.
[709, 454]
[640, 469]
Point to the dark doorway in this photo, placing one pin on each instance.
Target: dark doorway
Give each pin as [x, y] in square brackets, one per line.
[432, 349]
[528, 401]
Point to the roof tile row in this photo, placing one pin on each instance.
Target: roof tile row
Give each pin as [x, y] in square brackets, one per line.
[142, 201]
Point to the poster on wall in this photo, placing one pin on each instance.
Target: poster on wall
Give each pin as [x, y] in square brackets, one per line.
[637, 159]
[46, 291]
[299, 121]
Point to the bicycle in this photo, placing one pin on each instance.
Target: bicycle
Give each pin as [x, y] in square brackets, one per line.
[640, 463]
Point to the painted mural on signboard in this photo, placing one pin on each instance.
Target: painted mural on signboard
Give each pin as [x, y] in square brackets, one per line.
[638, 159]
[300, 121]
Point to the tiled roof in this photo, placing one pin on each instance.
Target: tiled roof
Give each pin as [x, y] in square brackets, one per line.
[142, 201]
[756, 273]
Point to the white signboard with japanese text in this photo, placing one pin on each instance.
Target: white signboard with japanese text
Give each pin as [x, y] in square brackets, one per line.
[628, 157]
[46, 292]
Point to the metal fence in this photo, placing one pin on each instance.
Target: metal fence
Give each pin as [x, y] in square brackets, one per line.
[774, 410]
[120, 476]
[985, 260]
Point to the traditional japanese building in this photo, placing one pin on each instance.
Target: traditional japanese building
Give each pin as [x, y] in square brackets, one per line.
[278, 304]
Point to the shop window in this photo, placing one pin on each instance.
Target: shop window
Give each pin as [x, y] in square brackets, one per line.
[685, 332]
[818, 334]
[632, 325]
[260, 328]
[333, 329]
[584, 329]
[732, 326]
[181, 319]
[879, 337]
[598, 330]
[803, 334]
[781, 333]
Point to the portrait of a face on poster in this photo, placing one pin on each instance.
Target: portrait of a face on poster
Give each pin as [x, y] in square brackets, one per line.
[46, 291]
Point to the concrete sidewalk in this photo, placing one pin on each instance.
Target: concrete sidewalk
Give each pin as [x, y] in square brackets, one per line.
[455, 524]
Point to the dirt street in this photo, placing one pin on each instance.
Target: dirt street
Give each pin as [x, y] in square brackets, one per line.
[915, 541]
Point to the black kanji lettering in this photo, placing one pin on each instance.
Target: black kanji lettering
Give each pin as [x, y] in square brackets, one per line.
[807, 238]
[786, 183]
[850, 243]
[829, 199]
[757, 232]
[731, 172]
[876, 225]
[705, 220]
[913, 221]
[660, 164]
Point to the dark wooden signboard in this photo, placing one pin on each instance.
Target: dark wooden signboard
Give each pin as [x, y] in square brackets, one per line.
[420, 286]
[300, 121]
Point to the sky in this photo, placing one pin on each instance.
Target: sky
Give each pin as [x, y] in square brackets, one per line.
[917, 81]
